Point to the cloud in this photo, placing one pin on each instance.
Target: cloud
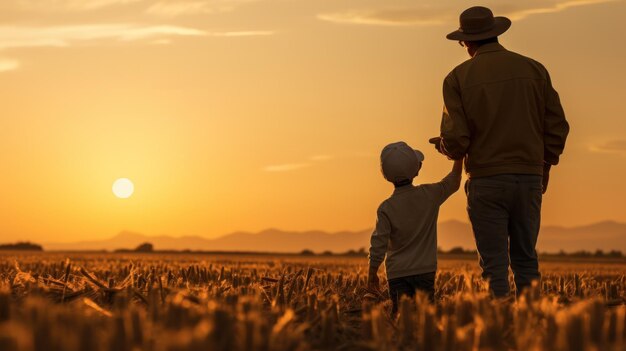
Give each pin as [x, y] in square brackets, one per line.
[286, 167]
[8, 65]
[244, 33]
[32, 36]
[173, 8]
[415, 16]
[62, 36]
[67, 5]
[12, 37]
[618, 145]
[446, 12]
[178, 8]
[164, 8]
[295, 166]
[551, 7]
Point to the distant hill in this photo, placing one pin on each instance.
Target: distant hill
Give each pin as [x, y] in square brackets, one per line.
[270, 240]
[603, 236]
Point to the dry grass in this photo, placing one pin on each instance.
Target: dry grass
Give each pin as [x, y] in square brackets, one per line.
[186, 302]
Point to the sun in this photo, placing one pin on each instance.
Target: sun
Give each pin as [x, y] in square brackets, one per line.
[123, 188]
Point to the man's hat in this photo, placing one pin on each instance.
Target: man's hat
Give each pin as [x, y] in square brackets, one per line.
[399, 162]
[478, 23]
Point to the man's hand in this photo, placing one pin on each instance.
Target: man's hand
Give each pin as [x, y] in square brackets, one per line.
[372, 279]
[546, 177]
[437, 142]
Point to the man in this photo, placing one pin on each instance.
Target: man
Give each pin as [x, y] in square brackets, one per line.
[502, 114]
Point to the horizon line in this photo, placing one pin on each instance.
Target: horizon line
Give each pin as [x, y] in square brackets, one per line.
[330, 232]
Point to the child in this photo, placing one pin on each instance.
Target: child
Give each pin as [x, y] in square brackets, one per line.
[406, 228]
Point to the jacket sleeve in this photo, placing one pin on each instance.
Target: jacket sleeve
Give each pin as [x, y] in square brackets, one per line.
[555, 127]
[380, 240]
[455, 134]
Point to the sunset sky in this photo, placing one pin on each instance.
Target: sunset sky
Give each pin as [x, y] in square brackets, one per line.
[247, 114]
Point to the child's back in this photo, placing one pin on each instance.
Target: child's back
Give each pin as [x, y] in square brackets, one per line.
[406, 230]
[406, 227]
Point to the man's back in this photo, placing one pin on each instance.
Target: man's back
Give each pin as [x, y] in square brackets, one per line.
[501, 110]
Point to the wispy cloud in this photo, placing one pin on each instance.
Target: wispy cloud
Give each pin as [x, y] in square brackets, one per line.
[12, 37]
[446, 12]
[295, 166]
[414, 16]
[618, 145]
[165, 8]
[67, 5]
[243, 33]
[173, 8]
[8, 65]
[518, 13]
[178, 8]
[62, 36]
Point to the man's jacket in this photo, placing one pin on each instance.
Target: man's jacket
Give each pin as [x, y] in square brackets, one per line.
[502, 113]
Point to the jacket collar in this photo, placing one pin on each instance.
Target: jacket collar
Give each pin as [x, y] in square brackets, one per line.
[491, 47]
[403, 189]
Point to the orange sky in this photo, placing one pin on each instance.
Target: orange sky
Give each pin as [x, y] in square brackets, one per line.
[247, 114]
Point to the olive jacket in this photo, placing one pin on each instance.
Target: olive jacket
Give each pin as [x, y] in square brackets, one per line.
[502, 113]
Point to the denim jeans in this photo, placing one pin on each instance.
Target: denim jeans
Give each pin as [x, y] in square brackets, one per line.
[407, 286]
[505, 211]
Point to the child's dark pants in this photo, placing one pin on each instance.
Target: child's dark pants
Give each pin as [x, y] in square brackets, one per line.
[407, 286]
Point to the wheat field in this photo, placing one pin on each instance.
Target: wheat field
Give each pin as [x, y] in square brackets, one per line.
[125, 302]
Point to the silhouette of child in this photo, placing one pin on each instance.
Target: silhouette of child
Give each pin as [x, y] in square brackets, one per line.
[406, 227]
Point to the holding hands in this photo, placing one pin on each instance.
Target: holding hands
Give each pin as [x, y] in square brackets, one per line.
[437, 142]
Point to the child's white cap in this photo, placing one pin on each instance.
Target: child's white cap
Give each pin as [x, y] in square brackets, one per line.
[399, 162]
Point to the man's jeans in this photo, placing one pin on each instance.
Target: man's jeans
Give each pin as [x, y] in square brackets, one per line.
[408, 286]
[505, 211]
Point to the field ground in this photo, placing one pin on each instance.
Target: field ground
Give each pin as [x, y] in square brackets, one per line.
[172, 302]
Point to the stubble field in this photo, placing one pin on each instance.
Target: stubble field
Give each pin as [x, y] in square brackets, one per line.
[119, 302]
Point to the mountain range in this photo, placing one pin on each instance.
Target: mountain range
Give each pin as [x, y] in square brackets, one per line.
[606, 236]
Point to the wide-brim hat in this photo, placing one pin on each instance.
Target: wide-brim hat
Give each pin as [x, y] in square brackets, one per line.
[400, 162]
[478, 23]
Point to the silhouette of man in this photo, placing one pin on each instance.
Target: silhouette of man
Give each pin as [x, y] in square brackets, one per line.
[502, 114]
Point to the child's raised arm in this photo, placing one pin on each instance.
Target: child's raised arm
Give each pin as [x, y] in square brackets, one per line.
[457, 167]
[452, 182]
